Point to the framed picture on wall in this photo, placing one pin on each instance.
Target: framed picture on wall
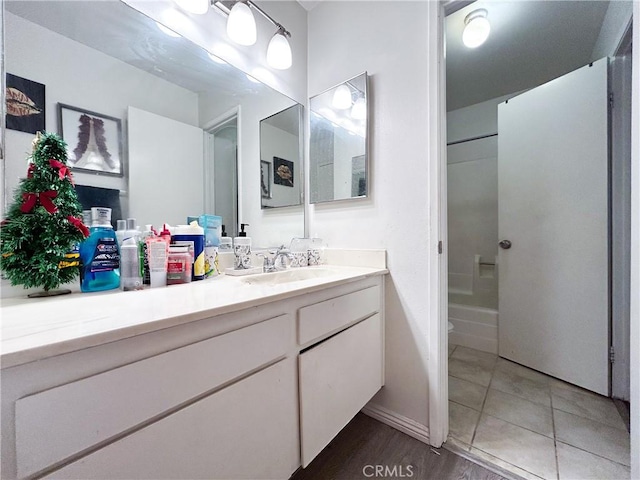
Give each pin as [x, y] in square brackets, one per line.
[282, 172]
[265, 179]
[94, 140]
[25, 103]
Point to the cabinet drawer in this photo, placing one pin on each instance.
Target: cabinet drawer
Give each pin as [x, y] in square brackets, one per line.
[337, 378]
[321, 319]
[247, 430]
[60, 422]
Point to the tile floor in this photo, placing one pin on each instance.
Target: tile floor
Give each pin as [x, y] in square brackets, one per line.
[530, 424]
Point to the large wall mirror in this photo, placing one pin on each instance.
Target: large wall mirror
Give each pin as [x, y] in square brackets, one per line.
[189, 122]
[338, 153]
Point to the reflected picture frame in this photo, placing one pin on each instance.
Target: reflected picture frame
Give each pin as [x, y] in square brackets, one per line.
[94, 140]
[265, 179]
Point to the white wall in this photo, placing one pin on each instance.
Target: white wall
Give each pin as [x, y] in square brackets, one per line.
[475, 120]
[210, 33]
[87, 79]
[396, 216]
[616, 21]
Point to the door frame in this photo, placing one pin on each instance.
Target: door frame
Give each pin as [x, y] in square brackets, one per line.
[437, 339]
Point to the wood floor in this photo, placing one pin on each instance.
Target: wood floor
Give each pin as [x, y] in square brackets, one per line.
[366, 449]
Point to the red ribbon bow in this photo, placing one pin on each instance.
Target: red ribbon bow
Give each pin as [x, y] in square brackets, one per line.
[29, 201]
[79, 225]
[63, 170]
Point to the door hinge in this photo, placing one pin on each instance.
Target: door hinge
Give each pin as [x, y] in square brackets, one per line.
[612, 355]
[440, 247]
[611, 100]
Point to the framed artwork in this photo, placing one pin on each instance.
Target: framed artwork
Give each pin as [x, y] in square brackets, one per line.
[283, 172]
[25, 104]
[265, 179]
[94, 140]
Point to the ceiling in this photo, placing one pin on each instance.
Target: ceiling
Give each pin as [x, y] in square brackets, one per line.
[531, 42]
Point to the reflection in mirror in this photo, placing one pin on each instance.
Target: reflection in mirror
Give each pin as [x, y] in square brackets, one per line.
[338, 154]
[281, 177]
[170, 95]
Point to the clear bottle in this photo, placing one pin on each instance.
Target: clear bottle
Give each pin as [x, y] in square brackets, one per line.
[99, 254]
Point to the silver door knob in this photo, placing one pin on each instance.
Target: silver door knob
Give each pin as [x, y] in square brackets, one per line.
[505, 244]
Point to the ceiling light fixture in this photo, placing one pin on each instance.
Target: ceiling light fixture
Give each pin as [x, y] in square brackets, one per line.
[477, 28]
[241, 28]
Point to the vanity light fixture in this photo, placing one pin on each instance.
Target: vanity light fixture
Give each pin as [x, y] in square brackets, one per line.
[241, 28]
[342, 97]
[477, 28]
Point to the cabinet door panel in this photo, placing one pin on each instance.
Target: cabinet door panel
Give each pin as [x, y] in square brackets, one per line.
[337, 378]
[60, 422]
[248, 430]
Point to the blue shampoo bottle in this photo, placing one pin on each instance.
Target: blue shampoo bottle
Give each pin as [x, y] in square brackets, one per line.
[99, 254]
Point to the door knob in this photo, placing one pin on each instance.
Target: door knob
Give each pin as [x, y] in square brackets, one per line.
[505, 244]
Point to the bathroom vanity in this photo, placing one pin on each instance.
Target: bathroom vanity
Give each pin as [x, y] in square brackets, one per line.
[226, 378]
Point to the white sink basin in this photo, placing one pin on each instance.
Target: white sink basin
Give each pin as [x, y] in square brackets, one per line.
[288, 276]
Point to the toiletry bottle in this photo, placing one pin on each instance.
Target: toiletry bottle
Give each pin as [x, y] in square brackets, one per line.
[192, 236]
[158, 254]
[144, 253]
[242, 249]
[100, 254]
[130, 278]
[132, 230]
[121, 231]
[165, 234]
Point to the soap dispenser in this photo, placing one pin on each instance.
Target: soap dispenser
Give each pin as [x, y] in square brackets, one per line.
[242, 249]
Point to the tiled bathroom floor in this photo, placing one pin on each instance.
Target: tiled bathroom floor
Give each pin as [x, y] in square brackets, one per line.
[530, 424]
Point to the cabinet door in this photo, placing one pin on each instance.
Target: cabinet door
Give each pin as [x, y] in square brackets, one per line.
[247, 430]
[337, 378]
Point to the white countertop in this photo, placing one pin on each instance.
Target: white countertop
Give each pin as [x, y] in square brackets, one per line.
[33, 329]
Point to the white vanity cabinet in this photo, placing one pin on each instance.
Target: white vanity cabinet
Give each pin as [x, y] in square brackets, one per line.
[255, 392]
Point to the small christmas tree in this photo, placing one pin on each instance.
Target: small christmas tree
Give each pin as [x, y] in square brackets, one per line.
[44, 223]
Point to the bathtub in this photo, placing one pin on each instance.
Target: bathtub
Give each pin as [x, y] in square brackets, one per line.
[474, 327]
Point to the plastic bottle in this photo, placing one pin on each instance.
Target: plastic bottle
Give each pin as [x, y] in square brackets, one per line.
[144, 253]
[130, 278]
[100, 254]
[121, 231]
[192, 236]
[242, 249]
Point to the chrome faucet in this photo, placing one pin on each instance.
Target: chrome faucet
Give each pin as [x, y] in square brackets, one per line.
[280, 260]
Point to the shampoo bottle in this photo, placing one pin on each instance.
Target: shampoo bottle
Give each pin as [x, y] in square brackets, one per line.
[100, 254]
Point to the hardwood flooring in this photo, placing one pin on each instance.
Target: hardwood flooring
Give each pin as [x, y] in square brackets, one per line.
[368, 449]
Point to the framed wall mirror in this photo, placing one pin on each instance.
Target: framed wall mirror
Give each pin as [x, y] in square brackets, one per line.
[338, 152]
[281, 178]
[171, 96]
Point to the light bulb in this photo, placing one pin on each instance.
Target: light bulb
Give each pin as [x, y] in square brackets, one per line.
[279, 51]
[359, 110]
[241, 26]
[342, 98]
[199, 7]
[477, 29]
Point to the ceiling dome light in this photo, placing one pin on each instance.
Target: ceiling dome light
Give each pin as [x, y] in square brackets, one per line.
[199, 7]
[279, 51]
[241, 26]
[359, 110]
[342, 97]
[477, 28]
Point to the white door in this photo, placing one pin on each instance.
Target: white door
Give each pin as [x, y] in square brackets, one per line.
[553, 208]
[166, 169]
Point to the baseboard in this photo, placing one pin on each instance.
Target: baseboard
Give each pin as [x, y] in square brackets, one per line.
[397, 421]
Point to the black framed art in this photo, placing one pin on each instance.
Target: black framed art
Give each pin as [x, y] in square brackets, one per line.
[25, 103]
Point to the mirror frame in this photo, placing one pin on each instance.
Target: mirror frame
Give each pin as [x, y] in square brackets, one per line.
[367, 162]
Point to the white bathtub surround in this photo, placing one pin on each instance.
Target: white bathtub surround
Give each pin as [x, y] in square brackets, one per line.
[474, 327]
